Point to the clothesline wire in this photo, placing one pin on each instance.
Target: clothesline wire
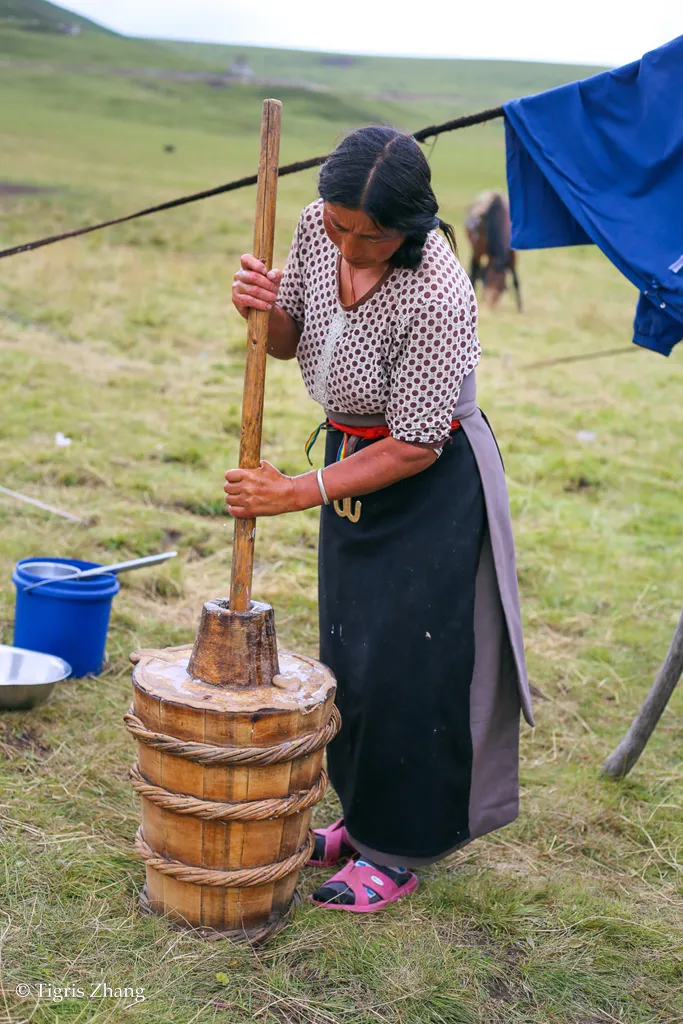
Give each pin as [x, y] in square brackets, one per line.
[579, 358]
[24, 321]
[231, 186]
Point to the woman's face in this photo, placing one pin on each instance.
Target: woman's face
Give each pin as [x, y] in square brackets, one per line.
[361, 243]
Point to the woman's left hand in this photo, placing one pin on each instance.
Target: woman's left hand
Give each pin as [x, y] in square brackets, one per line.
[259, 492]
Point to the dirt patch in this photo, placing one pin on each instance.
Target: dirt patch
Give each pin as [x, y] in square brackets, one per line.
[581, 483]
[481, 940]
[14, 188]
[501, 991]
[24, 741]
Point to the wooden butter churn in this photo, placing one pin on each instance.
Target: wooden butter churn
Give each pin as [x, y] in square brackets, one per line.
[231, 731]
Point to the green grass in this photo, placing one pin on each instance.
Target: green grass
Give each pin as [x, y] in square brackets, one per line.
[572, 915]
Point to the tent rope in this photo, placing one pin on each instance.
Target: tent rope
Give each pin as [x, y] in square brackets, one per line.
[582, 357]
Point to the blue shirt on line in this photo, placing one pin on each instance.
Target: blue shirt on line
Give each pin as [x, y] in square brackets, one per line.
[601, 160]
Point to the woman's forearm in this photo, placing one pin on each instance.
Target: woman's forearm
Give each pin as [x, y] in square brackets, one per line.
[267, 492]
[370, 469]
[283, 334]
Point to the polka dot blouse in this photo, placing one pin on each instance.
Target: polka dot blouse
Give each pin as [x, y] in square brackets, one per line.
[402, 350]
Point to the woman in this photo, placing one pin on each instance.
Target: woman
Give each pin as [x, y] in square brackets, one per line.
[419, 611]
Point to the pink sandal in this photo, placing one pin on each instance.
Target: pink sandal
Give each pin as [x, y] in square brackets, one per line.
[335, 837]
[359, 878]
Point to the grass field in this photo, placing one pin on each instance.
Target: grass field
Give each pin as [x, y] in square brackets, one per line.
[126, 342]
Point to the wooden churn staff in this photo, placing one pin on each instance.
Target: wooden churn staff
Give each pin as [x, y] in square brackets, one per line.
[257, 341]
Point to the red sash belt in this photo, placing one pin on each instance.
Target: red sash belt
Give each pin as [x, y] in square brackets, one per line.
[372, 433]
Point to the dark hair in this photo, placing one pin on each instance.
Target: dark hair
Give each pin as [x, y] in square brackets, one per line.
[384, 173]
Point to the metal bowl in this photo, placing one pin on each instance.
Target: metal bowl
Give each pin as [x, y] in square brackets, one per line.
[50, 570]
[27, 678]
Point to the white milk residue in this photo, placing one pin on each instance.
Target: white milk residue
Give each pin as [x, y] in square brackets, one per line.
[303, 684]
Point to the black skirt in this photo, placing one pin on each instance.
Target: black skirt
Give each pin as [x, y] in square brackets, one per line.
[397, 629]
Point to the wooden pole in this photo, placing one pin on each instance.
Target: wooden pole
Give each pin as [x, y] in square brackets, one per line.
[621, 760]
[257, 340]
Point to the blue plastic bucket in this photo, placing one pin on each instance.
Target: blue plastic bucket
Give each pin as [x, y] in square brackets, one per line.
[69, 618]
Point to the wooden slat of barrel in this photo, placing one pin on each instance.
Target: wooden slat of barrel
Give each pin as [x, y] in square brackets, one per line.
[263, 839]
[182, 833]
[217, 785]
[295, 829]
[147, 708]
[150, 765]
[305, 770]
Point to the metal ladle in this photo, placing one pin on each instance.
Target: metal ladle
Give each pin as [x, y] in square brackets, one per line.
[100, 570]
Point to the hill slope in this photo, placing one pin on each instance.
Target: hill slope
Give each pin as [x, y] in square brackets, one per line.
[41, 16]
[35, 30]
[404, 78]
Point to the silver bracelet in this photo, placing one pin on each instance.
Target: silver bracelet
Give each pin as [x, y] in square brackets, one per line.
[321, 485]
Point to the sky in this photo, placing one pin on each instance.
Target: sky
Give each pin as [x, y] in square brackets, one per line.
[606, 32]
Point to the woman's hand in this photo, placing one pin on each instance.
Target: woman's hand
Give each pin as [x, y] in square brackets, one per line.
[254, 286]
[259, 492]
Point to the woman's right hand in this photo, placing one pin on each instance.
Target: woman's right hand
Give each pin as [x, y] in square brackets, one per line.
[254, 286]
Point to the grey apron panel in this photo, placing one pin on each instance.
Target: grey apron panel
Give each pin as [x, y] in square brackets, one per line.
[500, 528]
[494, 709]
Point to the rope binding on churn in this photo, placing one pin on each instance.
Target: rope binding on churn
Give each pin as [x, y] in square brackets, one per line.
[239, 877]
[211, 754]
[244, 810]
